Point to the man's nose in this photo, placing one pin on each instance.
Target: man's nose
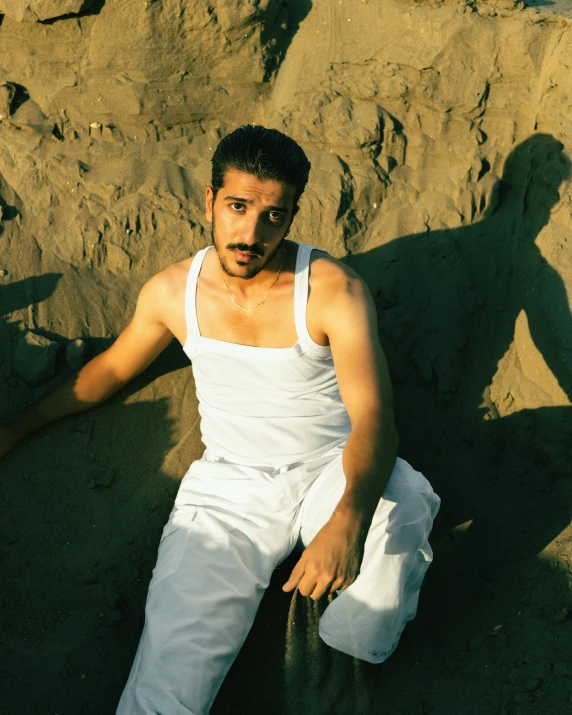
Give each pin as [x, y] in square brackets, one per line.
[252, 230]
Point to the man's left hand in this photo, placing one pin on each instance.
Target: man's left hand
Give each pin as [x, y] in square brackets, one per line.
[332, 560]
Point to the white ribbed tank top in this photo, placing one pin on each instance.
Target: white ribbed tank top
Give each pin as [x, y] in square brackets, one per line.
[265, 405]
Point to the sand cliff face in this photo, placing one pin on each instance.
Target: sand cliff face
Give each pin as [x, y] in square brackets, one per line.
[440, 136]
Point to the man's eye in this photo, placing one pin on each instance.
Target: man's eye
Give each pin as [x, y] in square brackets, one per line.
[236, 206]
[275, 216]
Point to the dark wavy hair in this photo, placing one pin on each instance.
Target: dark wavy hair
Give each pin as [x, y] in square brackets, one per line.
[265, 153]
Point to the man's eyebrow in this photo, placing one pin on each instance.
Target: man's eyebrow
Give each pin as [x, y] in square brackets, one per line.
[242, 200]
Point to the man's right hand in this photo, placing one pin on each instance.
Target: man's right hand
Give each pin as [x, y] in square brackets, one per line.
[9, 436]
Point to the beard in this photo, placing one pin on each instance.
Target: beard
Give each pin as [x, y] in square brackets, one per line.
[251, 270]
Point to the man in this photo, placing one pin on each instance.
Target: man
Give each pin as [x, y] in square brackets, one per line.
[297, 419]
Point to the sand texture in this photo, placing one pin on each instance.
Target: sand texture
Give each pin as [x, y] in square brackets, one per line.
[440, 134]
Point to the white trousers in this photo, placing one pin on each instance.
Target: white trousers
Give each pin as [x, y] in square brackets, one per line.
[231, 525]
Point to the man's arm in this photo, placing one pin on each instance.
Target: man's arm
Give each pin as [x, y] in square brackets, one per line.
[332, 560]
[137, 346]
[365, 387]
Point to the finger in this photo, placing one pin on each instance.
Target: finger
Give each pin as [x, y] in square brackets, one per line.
[319, 591]
[338, 585]
[295, 576]
[307, 585]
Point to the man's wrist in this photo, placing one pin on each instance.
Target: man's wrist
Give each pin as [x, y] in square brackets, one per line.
[355, 511]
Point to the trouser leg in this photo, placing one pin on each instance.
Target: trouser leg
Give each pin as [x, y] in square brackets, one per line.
[366, 619]
[227, 532]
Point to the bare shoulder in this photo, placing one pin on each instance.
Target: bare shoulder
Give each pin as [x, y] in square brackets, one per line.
[339, 299]
[330, 278]
[167, 285]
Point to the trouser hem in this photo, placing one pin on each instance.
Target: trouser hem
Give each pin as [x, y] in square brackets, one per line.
[357, 651]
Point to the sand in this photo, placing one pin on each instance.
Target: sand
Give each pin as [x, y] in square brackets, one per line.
[440, 135]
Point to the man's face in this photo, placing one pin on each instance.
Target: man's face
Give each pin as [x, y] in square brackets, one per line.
[249, 218]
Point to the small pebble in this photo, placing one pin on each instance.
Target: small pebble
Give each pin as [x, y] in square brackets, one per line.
[35, 358]
[105, 479]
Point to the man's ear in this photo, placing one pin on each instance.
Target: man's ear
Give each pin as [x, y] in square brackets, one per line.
[209, 196]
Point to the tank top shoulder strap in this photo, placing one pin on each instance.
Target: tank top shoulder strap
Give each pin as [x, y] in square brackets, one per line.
[301, 291]
[193, 333]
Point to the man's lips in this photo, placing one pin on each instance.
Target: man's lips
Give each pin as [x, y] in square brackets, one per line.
[244, 257]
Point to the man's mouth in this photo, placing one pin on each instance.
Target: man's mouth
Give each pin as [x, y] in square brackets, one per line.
[242, 257]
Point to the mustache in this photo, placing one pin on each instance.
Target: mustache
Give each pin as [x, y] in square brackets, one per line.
[245, 248]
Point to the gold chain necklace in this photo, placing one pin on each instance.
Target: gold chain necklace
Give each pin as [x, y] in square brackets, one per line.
[266, 296]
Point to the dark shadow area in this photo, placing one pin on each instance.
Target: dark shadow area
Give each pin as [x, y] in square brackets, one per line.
[11, 209]
[8, 212]
[448, 301]
[92, 7]
[278, 30]
[80, 558]
[21, 294]
[21, 96]
[76, 556]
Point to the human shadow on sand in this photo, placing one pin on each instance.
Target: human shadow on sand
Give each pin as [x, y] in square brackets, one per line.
[448, 302]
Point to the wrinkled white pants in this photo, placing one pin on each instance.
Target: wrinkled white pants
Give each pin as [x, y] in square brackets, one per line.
[231, 525]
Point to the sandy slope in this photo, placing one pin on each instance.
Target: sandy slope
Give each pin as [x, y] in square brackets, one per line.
[439, 134]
